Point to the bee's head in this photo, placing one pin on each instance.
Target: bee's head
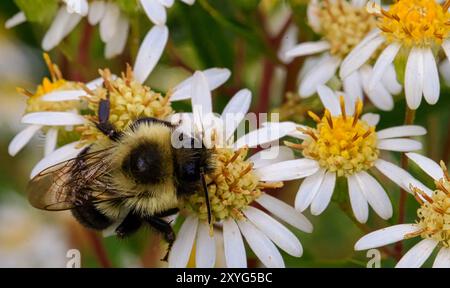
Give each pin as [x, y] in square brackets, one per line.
[144, 164]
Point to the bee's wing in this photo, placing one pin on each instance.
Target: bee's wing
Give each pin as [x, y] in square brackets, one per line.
[72, 183]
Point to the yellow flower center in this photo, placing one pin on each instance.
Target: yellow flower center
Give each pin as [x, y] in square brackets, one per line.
[343, 144]
[232, 187]
[57, 82]
[416, 22]
[434, 213]
[344, 25]
[129, 100]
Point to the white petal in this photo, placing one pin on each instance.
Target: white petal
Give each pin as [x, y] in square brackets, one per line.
[360, 54]
[329, 100]
[189, 2]
[418, 254]
[414, 78]
[116, 45]
[62, 154]
[371, 118]
[353, 89]
[166, 3]
[201, 99]
[235, 255]
[359, 203]
[51, 139]
[390, 80]
[94, 84]
[383, 62]
[323, 196]
[150, 51]
[288, 42]
[444, 69]
[155, 11]
[427, 165]
[276, 232]
[205, 249]
[308, 48]
[96, 12]
[235, 111]
[266, 134]
[77, 6]
[401, 131]
[446, 47]
[319, 75]
[379, 95]
[285, 212]
[15, 20]
[21, 139]
[59, 28]
[288, 170]
[263, 248]
[385, 236]
[215, 77]
[393, 172]
[442, 259]
[375, 194]
[182, 247]
[64, 95]
[399, 145]
[109, 22]
[270, 156]
[53, 118]
[431, 85]
[308, 190]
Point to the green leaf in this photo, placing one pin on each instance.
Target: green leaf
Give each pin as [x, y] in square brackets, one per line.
[40, 11]
[129, 7]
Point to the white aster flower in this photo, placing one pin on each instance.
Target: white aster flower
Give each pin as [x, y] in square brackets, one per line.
[66, 19]
[115, 26]
[148, 56]
[342, 25]
[50, 109]
[415, 29]
[233, 187]
[432, 225]
[344, 145]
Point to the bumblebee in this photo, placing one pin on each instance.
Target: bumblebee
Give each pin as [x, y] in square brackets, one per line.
[133, 177]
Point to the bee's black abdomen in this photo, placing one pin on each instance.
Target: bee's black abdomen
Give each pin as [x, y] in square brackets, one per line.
[90, 217]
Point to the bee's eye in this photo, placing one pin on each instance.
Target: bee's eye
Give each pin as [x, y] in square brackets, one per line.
[144, 164]
[191, 171]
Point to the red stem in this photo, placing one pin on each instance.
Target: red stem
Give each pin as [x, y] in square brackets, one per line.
[83, 52]
[98, 249]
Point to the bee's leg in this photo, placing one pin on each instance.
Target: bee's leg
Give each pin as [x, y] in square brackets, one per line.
[166, 213]
[165, 228]
[103, 121]
[129, 225]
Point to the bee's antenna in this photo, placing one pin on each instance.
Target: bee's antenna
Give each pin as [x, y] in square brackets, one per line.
[205, 189]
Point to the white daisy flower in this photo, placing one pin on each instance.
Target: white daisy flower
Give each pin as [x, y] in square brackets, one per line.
[52, 118]
[66, 19]
[233, 187]
[433, 222]
[121, 112]
[415, 29]
[342, 25]
[344, 145]
[115, 25]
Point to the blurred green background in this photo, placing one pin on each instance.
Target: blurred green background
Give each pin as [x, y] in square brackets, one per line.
[242, 35]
